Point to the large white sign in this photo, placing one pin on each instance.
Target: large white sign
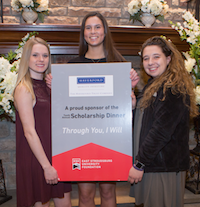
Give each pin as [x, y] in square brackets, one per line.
[91, 121]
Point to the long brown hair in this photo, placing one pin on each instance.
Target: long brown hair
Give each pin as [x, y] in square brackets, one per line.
[175, 77]
[112, 55]
[23, 73]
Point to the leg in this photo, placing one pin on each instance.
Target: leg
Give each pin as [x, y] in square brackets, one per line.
[63, 202]
[39, 204]
[108, 194]
[86, 194]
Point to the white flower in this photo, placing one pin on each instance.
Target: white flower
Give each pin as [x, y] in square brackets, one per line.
[25, 38]
[19, 53]
[197, 92]
[43, 5]
[133, 7]
[181, 27]
[145, 8]
[180, 32]
[165, 8]
[158, 8]
[189, 64]
[9, 82]
[26, 3]
[145, 2]
[18, 5]
[187, 16]
[191, 39]
[186, 54]
[15, 5]
[5, 102]
[190, 31]
[4, 67]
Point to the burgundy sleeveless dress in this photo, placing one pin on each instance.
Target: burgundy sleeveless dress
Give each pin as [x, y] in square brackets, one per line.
[31, 184]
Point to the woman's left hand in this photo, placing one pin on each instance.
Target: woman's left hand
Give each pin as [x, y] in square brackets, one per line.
[135, 176]
[133, 100]
[134, 78]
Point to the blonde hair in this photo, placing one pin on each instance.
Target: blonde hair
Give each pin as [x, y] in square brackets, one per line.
[175, 77]
[23, 73]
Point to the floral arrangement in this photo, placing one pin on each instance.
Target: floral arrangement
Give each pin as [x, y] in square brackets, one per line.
[190, 32]
[39, 6]
[9, 66]
[158, 8]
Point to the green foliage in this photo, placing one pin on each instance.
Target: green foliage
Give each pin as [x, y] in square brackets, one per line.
[41, 15]
[160, 18]
[136, 17]
[10, 56]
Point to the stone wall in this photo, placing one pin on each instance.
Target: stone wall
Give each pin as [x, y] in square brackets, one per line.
[72, 12]
[7, 152]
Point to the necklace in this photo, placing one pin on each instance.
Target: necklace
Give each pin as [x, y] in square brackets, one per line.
[95, 60]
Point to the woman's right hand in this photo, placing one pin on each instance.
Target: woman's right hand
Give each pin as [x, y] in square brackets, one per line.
[48, 80]
[50, 175]
[134, 78]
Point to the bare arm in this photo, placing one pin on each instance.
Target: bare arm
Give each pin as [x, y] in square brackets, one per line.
[24, 104]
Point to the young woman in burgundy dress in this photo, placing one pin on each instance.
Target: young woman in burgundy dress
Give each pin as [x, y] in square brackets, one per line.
[37, 179]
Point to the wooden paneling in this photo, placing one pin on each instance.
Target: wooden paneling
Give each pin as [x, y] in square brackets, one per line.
[64, 39]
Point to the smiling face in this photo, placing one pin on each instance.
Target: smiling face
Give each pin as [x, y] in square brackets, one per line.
[39, 61]
[94, 31]
[154, 61]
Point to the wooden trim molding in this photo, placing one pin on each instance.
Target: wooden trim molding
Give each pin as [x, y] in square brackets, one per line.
[64, 39]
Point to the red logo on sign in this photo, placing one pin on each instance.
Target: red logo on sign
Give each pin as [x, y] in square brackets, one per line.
[76, 163]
